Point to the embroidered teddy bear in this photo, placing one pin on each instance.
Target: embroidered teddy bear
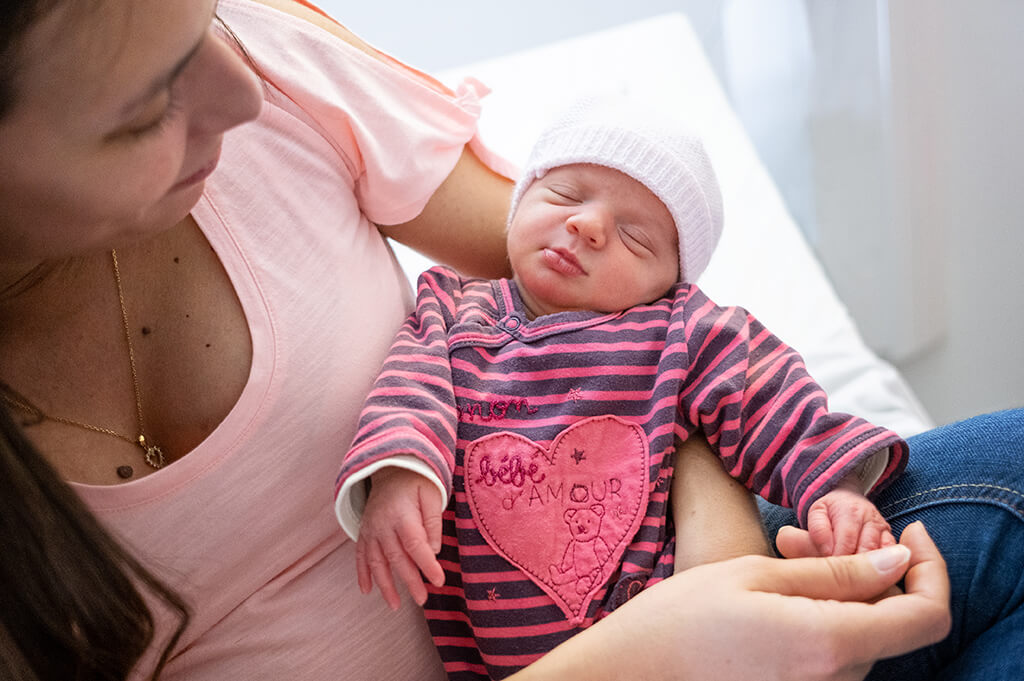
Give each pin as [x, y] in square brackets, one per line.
[586, 553]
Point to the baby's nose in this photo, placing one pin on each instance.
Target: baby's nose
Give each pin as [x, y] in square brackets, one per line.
[592, 224]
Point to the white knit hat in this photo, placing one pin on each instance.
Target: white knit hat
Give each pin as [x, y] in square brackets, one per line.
[662, 154]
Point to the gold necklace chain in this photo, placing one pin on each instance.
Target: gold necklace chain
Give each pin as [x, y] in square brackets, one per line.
[153, 456]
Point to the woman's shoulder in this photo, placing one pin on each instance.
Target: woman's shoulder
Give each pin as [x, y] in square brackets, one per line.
[396, 133]
[316, 17]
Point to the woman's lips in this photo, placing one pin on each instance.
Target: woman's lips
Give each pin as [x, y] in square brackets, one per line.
[563, 261]
[204, 172]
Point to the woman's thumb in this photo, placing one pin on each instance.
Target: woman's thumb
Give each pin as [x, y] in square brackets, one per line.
[858, 577]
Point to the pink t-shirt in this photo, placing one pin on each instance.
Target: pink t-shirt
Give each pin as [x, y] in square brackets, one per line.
[243, 526]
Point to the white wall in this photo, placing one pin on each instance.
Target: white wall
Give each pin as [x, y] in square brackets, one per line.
[959, 75]
[447, 33]
[949, 180]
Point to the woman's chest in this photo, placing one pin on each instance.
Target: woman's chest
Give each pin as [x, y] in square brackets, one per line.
[148, 340]
[193, 349]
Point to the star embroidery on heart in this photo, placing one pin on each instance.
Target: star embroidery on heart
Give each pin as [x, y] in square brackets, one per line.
[575, 394]
[578, 455]
[493, 595]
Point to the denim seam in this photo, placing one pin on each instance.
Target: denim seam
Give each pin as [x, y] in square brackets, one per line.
[1001, 491]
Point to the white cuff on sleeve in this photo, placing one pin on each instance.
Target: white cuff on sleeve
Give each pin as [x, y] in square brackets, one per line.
[870, 470]
[351, 499]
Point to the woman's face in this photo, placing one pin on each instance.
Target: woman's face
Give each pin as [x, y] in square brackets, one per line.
[118, 117]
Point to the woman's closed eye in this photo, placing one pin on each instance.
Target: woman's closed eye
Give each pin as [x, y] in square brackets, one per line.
[157, 124]
[153, 120]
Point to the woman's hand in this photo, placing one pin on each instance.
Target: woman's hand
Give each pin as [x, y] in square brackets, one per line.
[766, 618]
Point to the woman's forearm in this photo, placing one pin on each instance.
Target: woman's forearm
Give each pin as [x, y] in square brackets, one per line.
[827, 619]
[463, 224]
[611, 650]
[716, 518]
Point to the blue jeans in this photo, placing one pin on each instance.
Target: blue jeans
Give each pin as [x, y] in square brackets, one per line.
[965, 481]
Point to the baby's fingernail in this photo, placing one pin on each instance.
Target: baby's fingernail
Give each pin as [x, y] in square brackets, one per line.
[888, 558]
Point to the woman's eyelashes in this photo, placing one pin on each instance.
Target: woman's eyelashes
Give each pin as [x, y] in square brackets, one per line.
[152, 121]
[159, 123]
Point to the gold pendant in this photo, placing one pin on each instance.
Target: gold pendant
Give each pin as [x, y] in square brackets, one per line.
[154, 455]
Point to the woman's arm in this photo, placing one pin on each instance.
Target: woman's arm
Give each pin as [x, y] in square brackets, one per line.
[716, 517]
[710, 622]
[463, 224]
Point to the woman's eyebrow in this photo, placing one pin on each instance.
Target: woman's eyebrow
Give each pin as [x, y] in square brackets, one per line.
[162, 82]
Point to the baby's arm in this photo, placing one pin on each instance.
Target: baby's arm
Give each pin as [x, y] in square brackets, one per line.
[716, 517]
[400, 533]
[844, 521]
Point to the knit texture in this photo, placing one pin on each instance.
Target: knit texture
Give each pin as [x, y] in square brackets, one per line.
[660, 153]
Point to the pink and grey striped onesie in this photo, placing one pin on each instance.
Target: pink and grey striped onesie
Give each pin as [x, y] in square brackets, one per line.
[554, 439]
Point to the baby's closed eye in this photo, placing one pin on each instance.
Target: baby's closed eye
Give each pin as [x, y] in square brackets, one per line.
[564, 194]
[636, 239]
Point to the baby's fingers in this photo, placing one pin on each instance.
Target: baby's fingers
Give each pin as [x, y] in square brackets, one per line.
[363, 575]
[432, 525]
[875, 534]
[848, 533]
[820, 529]
[398, 557]
[418, 548]
[887, 538]
[380, 569]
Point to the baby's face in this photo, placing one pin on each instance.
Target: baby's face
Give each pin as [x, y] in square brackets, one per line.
[586, 237]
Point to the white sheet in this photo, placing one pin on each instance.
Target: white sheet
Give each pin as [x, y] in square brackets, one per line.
[763, 262]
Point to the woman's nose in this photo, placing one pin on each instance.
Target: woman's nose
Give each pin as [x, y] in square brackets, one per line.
[591, 225]
[225, 91]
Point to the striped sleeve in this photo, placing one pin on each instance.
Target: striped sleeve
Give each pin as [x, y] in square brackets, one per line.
[410, 412]
[752, 397]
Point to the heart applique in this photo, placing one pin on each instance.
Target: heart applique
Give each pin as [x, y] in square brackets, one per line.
[564, 515]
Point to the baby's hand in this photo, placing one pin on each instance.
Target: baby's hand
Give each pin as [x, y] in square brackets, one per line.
[400, 532]
[844, 522]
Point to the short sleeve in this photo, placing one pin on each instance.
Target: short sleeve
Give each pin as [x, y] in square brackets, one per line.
[398, 131]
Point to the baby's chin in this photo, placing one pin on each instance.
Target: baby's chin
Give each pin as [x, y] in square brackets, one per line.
[542, 297]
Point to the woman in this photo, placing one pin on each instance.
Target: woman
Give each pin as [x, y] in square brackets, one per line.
[241, 339]
[190, 349]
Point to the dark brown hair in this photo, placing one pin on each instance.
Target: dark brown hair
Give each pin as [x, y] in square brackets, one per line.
[16, 18]
[70, 605]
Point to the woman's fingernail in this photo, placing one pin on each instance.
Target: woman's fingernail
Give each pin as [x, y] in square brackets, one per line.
[886, 559]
